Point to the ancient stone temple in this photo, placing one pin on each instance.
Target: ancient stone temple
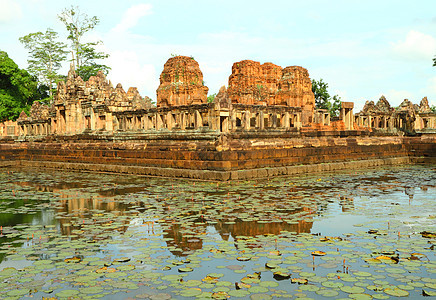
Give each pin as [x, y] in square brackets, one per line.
[407, 117]
[263, 125]
[295, 89]
[378, 115]
[181, 83]
[259, 98]
[268, 84]
[252, 83]
[81, 107]
[426, 118]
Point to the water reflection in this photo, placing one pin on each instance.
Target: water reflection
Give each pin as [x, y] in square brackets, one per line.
[83, 207]
[253, 228]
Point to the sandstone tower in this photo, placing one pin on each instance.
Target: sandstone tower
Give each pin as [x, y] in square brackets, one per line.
[268, 84]
[181, 83]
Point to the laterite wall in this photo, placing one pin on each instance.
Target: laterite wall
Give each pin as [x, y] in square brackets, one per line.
[216, 157]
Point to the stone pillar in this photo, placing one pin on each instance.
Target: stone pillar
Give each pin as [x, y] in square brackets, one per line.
[198, 121]
[347, 114]
[159, 122]
[232, 124]
[261, 120]
[183, 120]
[215, 121]
[286, 123]
[298, 120]
[225, 125]
[149, 122]
[246, 120]
[169, 120]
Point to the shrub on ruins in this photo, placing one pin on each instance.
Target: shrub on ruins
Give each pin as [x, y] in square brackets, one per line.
[85, 55]
[211, 98]
[18, 89]
[46, 57]
[323, 100]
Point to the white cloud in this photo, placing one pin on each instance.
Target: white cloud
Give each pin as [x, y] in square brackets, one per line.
[395, 97]
[127, 70]
[131, 17]
[10, 10]
[430, 90]
[415, 46]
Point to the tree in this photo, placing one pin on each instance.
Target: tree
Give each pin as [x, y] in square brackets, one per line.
[46, 57]
[18, 89]
[336, 105]
[434, 62]
[84, 54]
[323, 100]
[211, 98]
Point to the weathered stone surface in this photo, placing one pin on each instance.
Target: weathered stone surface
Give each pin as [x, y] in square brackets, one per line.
[260, 100]
[423, 106]
[253, 83]
[383, 105]
[82, 106]
[222, 99]
[269, 84]
[280, 157]
[23, 116]
[295, 88]
[181, 83]
[369, 108]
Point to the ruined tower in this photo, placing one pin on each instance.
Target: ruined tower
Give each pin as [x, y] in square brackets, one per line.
[181, 83]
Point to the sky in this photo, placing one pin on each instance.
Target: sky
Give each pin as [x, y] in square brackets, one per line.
[362, 49]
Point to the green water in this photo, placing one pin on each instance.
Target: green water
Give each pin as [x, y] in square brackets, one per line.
[98, 236]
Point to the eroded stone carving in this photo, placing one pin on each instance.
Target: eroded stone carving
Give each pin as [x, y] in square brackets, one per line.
[181, 83]
[268, 84]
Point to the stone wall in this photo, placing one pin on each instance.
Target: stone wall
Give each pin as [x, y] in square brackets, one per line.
[216, 156]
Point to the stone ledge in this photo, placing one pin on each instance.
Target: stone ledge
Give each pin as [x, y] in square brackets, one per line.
[219, 175]
[11, 163]
[316, 168]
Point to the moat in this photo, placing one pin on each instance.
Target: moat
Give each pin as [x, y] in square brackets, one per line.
[357, 234]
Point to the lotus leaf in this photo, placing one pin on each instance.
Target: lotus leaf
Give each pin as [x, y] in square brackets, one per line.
[393, 291]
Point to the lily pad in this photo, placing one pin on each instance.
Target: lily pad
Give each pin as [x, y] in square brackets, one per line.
[396, 292]
[352, 289]
[239, 293]
[67, 293]
[186, 269]
[190, 292]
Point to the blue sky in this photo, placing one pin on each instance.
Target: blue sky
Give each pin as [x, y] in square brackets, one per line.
[362, 49]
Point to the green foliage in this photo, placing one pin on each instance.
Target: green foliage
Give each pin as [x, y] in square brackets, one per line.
[336, 105]
[89, 67]
[18, 89]
[211, 98]
[322, 96]
[323, 100]
[434, 62]
[46, 57]
[433, 108]
[84, 54]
